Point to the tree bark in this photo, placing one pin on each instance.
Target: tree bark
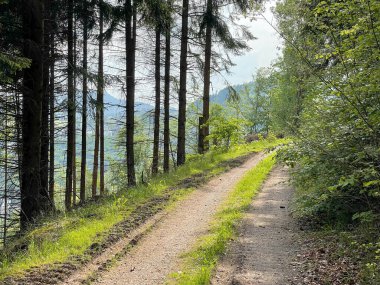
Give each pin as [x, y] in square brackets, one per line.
[31, 202]
[96, 151]
[204, 128]
[51, 121]
[70, 108]
[156, 136]
[101, 103]
[84, 109]
[45, 106]
[75, 117]
[130, 41]
[99, 100]
[181, 151]
[167, 102]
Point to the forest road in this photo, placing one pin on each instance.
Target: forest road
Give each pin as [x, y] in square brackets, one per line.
[157, 254]
[267, 244]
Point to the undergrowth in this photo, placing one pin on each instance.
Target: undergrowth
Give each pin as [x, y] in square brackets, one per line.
[201, 260]
[332, 256]
[340, 220]
[66, 236]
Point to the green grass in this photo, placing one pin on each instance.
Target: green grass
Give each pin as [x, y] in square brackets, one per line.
[66, 236]
[202, 259]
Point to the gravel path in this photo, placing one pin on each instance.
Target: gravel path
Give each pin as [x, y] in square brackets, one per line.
[267, 245]
[157, 254]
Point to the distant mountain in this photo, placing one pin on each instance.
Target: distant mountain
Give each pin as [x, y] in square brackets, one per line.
[221, 97]
[115, 107]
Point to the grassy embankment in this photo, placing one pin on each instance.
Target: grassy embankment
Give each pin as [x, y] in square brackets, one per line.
[202, 259]
[64, 237]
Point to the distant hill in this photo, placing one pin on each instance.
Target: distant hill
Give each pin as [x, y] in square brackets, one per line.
[222, 96]
[115, 107]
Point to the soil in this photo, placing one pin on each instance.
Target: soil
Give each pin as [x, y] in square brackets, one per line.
[266, 247]
[158, 253]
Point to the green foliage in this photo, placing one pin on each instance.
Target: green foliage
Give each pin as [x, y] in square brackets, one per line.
[9, 65]
[327, 97]
[226, 130]
[202, 259]
[255, 102]
[11, 60]
[338, 127]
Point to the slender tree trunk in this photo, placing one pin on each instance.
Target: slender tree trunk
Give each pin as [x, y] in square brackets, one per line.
[130, 41]
[5, 197]
[75, 117]
[84, 110]
[45, 106]
[101, 171]
[167, 102]
[156, 136]
[99, 99]
[181, 151]
[96, 152]
[70, 108]
[101, 103]
[51, 121]
[31, 203]
[19, 126]
[204, 128]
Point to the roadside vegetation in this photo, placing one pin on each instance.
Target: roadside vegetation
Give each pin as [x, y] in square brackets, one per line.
[65, 237]
[328, 77]
[200, 261]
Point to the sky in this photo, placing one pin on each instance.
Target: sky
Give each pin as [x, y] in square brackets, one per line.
[263, 51]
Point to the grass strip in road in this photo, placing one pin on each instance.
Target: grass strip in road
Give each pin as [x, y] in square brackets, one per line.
[67, 236]
[202, 259]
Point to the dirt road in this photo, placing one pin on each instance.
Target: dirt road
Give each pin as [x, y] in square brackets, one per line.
[263, 253]
[158, 253]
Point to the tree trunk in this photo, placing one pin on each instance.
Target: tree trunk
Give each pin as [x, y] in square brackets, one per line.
[167, 103]
[45, 106]
[130, 41]
[31, 202]
[5, 197]
[181, 151]
[84, 110]
[101, 103]
[99, 100]
[51, 121]
[75, 118]
[204, 128]
[70, 108]
[156, 136]
[96, 151]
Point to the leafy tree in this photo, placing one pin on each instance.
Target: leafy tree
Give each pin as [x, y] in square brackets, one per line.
[255, 102]
[337, 145]
[226, 130]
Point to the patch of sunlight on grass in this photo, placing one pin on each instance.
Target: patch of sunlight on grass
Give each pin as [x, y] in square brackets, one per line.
[63, 236]
[202, 259]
